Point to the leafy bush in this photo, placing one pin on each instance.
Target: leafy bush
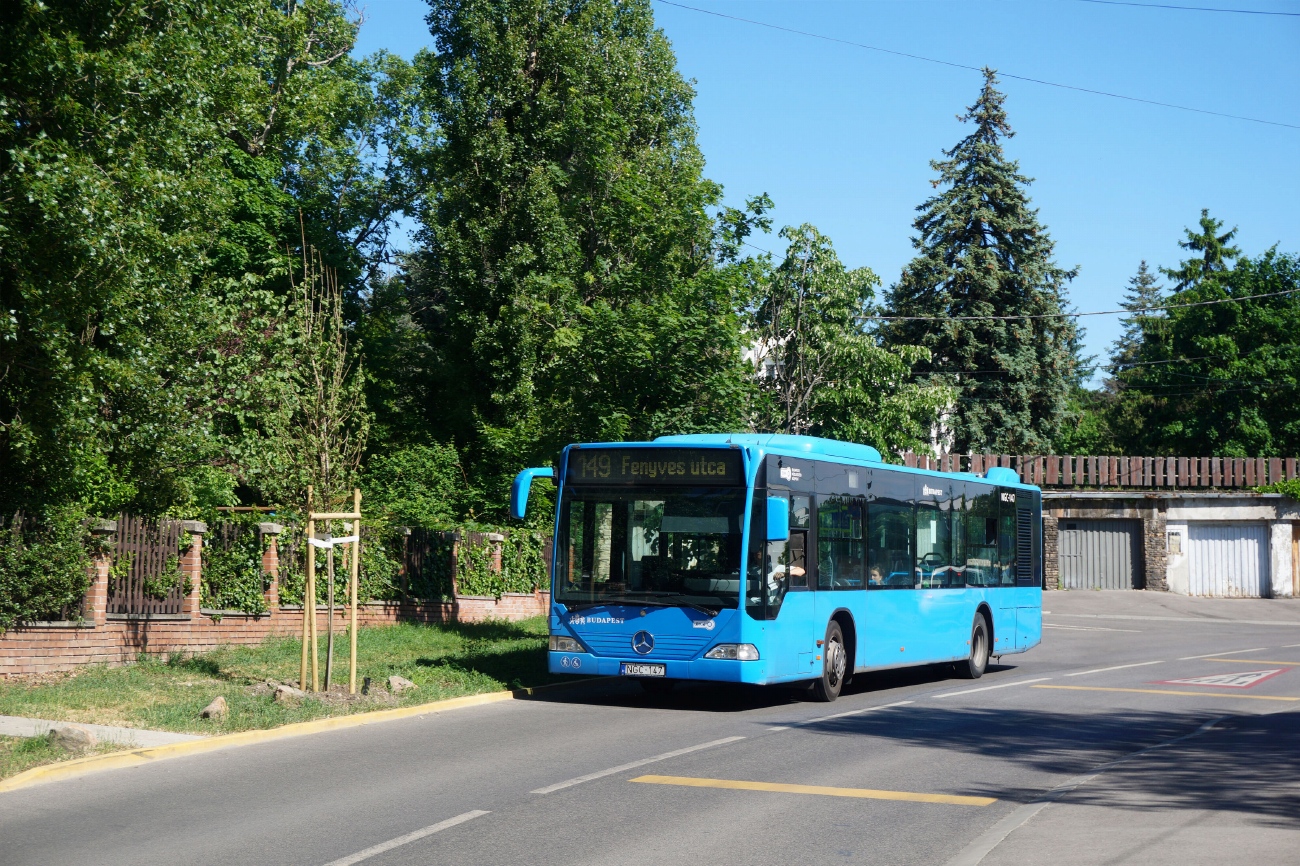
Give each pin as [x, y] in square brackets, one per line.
[420, 485]
[1290, 488]
[43, 567]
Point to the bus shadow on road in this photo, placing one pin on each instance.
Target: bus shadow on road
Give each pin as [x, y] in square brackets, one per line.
[1246, 764]
[718, 697]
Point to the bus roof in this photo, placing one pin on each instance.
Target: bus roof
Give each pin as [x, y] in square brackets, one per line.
[815, 446]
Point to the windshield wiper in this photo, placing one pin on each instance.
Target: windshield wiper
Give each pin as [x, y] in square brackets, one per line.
[679, 603]
[634, 602]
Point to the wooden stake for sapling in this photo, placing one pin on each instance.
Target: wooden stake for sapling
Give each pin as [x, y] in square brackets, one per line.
[329, 626]
[352, 591]
[311, 564]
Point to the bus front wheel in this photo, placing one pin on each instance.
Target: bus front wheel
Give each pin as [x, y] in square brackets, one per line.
[973, 667]
[835, 662]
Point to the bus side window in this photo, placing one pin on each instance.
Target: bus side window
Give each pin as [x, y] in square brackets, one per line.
[933, 546]
[1007, 544]
[889, 547]
[839, 542]
[796, 562]
[982, 539]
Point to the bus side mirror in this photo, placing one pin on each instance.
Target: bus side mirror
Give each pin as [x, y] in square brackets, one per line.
[778, 518]
[520, 489]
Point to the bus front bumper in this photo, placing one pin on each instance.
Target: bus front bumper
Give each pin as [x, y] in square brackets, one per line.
[718, 670]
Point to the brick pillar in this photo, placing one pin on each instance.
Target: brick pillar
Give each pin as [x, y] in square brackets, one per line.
[1051, 561]
[271, 563]
[1155, 549]
[192, 566]
[495, 539]
[95, 604]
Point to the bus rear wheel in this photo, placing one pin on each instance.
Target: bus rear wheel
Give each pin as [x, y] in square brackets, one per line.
[835, 661]
[973, 668]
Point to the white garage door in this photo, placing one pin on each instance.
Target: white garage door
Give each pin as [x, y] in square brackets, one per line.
[1228, 560]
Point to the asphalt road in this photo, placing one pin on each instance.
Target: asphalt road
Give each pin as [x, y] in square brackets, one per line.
[1081, 751]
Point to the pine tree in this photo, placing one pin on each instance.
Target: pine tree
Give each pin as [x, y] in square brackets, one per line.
[981, 251]
[1214, 253]
[1144, 292]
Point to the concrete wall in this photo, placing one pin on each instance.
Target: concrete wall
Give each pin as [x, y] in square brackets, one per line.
[1165, 518]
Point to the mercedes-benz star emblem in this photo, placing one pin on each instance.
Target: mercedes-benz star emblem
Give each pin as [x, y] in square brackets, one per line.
[643, 642]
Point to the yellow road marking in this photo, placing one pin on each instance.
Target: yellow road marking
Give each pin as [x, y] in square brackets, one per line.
[863, 793]
[1251, 662]
[1171, 692]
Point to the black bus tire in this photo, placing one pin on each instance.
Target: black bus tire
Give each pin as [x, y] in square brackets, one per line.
[973, 668]
[835, 660]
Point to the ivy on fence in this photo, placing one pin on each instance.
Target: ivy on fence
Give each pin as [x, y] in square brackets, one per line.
[43, 567]
[233, 577]
[523, 567]
[381, 550]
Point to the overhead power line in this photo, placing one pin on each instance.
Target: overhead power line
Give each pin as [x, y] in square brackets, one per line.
[1189, 8]
[925, 59]
[1121, 311]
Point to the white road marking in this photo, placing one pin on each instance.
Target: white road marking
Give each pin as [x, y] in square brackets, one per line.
[1195, 619]
[408, 838]
[987, 688]
[1291, 646]
[633, 765]
[1115, 668]
[974, 853]
[1258, 649]
[1091, 628]
[838, 716]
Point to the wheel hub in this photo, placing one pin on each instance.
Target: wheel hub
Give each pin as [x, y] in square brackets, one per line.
[835, 662]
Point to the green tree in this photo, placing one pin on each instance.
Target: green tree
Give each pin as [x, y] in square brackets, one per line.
[1215, 254]
[153, 186]
[982, 252]
[567, 273]
[1144, 292]
[1220, 378]
[819, 369]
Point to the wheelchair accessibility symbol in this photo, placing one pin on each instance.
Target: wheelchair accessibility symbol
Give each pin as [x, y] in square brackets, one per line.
[567, 662]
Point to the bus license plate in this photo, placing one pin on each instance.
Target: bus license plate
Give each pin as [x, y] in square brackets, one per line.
[633, 669]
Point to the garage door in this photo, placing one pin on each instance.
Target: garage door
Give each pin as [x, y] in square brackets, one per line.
[1099, 554]
[1228, 559]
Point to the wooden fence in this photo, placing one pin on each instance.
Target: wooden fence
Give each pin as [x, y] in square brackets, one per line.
[1066, 471]
[147, 575]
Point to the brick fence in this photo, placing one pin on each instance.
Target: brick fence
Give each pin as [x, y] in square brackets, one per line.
[106, 638]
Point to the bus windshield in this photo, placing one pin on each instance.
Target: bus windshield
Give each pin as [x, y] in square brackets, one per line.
[657, 546]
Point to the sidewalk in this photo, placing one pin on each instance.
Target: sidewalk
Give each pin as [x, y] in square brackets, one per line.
[17, 726]
[1162, 605]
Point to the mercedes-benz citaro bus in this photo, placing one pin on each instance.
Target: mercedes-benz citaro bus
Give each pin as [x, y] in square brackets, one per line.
[770, 559]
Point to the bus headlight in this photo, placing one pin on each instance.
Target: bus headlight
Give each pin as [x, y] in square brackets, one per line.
[745, 652]
[561, 644]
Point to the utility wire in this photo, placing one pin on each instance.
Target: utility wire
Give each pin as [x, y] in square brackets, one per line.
[1122, 311]
[1188, 8]
[975, 68]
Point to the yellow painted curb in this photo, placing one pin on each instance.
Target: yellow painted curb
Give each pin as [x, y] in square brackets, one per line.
[138, 757]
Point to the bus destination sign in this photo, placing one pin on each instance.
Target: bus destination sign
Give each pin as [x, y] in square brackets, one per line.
[682, 467]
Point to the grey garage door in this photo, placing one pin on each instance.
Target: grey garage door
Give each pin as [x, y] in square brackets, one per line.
[1099, 554]
[1227, 559]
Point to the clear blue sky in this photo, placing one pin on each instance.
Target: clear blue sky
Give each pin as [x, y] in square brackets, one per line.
[842, 137]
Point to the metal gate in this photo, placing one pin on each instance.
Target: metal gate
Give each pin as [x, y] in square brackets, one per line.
[1099, 554]
[1228, 560]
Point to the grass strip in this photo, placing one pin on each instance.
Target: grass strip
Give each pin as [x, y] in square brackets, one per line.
[444, 661]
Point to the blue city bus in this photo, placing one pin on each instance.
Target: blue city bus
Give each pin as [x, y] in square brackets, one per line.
[777, 559]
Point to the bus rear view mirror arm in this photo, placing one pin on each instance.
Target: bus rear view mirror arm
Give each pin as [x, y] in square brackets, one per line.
[778, 518]
[520, 489]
